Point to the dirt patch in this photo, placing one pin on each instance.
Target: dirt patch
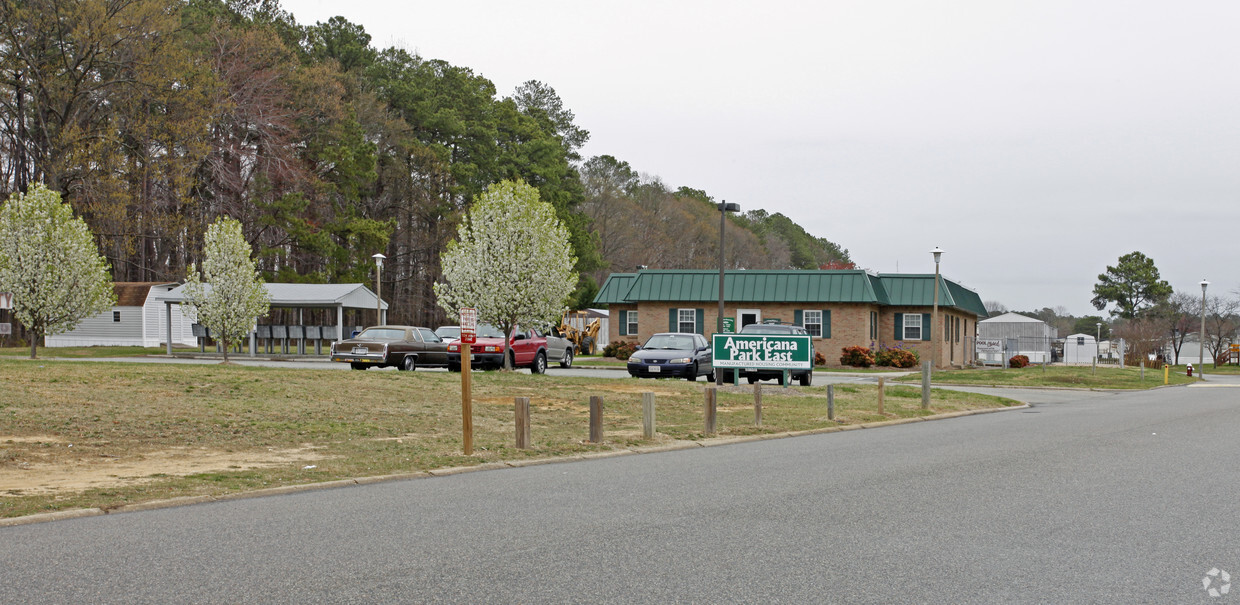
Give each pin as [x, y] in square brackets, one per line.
[80, 474]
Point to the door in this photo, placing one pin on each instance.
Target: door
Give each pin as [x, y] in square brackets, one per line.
[434, 349]
[745, 317]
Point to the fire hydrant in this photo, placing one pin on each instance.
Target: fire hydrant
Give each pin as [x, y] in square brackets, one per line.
[1190, 370]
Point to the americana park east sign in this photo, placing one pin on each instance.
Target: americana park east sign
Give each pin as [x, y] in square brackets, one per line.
[754, 351]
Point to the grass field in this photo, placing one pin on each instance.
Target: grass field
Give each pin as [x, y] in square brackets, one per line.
[1058, 376]
[99, 434]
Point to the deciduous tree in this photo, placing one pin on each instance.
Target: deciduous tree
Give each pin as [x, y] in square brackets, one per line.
[49, 262]
[229, 295]
[511, 260]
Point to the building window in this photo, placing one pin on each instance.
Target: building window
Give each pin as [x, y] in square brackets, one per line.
[686, 320]
[116, 316]
[873, 325]
[631, 327]
[813, 323]
[912, 326]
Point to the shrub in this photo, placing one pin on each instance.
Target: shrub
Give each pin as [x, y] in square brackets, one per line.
[619, 349]
[857, 357]
[1018, 361]
[819, 359]
[897, 358]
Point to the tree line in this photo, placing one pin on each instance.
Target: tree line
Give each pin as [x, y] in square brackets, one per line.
[154, 118]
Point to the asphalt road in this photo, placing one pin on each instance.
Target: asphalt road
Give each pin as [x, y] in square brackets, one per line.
[1086, 497]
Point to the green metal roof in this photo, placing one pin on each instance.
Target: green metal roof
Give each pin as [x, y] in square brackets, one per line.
[753, 286]
[614, 289]
[915, 290]
[839, 286]
[967, 299]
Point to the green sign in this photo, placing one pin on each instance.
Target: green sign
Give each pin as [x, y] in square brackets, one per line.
[765, 351]
[729, 325]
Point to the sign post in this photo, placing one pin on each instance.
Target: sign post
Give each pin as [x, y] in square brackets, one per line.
[469, 331]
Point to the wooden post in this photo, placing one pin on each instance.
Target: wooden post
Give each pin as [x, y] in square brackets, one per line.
[830, 402]
[467, 404]
[881, 382]
[711, 398]
[596, 419]
[523, 422]
[925, 385]
[1142, 370]
[648, 415]
[757, 404]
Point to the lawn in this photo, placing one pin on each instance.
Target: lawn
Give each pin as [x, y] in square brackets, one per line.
[98, 434]
[1057, 376]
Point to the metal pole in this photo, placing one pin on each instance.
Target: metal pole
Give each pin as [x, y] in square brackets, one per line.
[719, 320]
[1201, 351]
[934, 321]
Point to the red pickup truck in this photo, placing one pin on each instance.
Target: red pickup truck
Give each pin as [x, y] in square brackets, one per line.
[529, 349]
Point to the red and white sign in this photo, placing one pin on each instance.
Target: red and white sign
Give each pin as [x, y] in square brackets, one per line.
[6, 300]
[469, 325]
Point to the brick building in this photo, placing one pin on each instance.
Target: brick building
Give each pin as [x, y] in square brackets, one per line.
[841, 308]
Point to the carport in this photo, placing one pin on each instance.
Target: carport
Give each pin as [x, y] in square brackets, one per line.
[300, 297]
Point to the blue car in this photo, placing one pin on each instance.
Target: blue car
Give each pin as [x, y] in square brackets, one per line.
[675, 355]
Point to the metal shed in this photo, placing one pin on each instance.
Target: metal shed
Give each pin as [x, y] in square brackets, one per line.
[1032, 337]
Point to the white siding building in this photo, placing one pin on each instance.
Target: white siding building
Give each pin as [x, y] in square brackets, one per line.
[1031, 337]
[1080, 348]
[137, 320]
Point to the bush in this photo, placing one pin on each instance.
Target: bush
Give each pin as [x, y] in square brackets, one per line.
[897, 358]
[857, 357]
[619, 349]
[819, 359]
[1018, 361]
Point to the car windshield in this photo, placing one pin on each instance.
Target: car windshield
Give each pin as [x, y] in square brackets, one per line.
[767, 329]
[488, 331]
[669, 341]
[448, 332]
[381, 334]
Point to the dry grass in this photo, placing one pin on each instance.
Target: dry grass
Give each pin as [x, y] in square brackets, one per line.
[96, 434]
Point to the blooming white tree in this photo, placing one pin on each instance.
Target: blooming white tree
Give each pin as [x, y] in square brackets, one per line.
[49, 262]
[229, 297]
[511, 260]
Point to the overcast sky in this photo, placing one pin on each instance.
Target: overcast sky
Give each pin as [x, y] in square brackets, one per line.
[1035, 142]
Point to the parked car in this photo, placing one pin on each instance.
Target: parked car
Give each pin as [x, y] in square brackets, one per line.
[404, 347]
[804, 377]
[528, 348]
[675, 354]
[448, 333]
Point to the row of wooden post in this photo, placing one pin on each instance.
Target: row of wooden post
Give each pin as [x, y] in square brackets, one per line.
[710, 411]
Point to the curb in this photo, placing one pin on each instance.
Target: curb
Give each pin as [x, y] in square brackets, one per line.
[488, 466]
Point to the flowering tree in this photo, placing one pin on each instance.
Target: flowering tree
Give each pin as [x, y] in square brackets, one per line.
[229, 297]
[511, 260]
[49, 262]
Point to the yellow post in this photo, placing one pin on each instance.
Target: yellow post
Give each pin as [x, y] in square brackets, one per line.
[1166, 373]
[467, 411]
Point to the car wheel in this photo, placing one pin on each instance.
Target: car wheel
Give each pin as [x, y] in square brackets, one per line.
[409, 363]
[692, 375]
[752, 379]
[807, 379]
[357, 366]
[540, 364]
[567, 361]
[710, 377]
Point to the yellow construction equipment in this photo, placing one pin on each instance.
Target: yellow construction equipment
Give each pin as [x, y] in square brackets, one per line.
[584, 339]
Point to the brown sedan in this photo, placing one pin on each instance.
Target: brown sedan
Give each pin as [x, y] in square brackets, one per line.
[403, 347]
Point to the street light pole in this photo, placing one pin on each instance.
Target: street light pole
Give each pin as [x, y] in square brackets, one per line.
[724, 209]
[378, 288]
[934, 321]
[1201, 351]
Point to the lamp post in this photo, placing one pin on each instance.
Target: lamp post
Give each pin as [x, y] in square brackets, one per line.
[934, 321]
[724, 209]
[1098, 339]
[378, 287]
[1201, 351]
